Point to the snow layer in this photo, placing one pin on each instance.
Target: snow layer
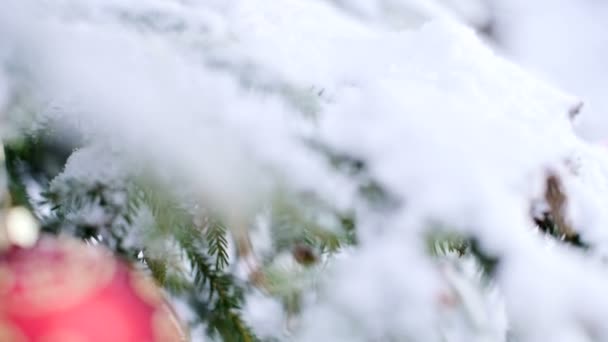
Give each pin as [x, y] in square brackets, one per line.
[411, 13]
[223, 94]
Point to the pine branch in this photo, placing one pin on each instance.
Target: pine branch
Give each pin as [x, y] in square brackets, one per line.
[547, 226]
[33, 158]
[158, 268]
[16, 183]
[213, 294]
[441, 242]
[375, 194]
[74, 196]
[489, 263]
[218, 243]
[224, 317]
[296, 220]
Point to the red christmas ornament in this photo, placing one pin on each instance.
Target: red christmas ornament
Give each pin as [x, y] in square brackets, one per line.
[63, 291]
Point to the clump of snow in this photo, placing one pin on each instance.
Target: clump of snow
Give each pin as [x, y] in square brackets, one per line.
[264, 314]
[98, 170]
[93, 164]
[476, 304]
[386, 290]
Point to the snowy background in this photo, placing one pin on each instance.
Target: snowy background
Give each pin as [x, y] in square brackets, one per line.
[457, 108]
[564, 41]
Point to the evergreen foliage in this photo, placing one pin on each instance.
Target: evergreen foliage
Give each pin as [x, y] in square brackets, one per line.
[190, 256]
[281, 113]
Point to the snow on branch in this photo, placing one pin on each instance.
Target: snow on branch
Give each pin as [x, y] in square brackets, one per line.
[227, 98]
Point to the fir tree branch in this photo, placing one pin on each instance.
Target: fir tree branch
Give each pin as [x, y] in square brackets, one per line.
[224, 317]
[441, 241]
[298, 223]
[218, 243]
[547, 226]
[16, 184]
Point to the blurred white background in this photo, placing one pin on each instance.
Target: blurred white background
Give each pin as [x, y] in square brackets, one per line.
[564, 41]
